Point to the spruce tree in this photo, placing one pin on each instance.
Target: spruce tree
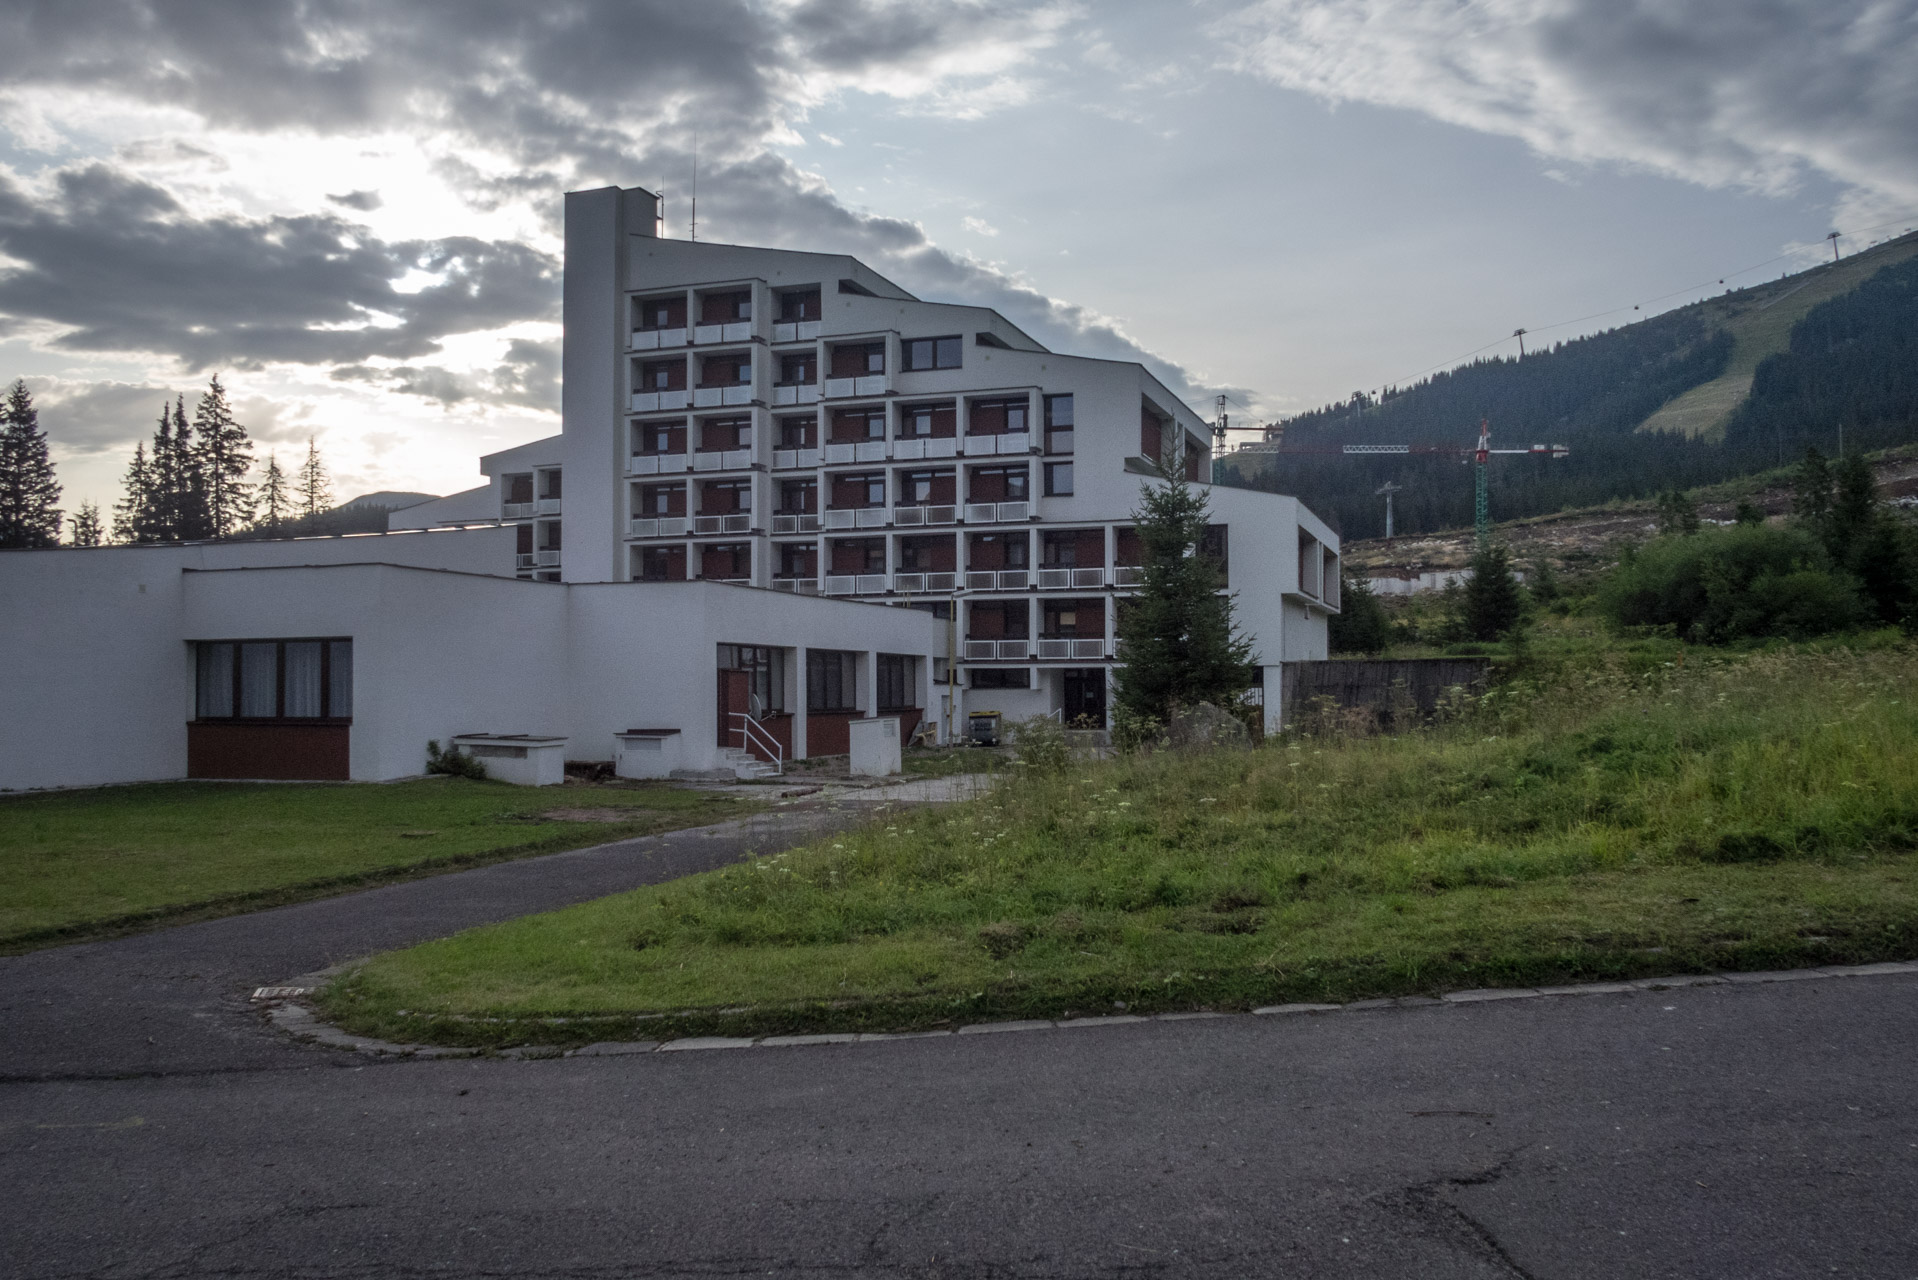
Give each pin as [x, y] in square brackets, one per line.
[274, 499]
[1491, 604]
[223, 457]
[29, 495]
[190, 515]
[1854, 505]
[1677, 513]
[1811, 491]
[313, 490]
[85, 530]
[1176, 636]
[135, 507]
[1360, 625]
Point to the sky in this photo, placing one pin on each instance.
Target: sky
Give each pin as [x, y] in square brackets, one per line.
[349, 210]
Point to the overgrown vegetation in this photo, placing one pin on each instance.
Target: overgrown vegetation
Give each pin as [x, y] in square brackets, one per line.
[1623, 809]
[77, 864]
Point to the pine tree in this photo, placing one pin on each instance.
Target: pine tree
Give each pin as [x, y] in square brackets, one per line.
[313, 491]
[1491, 605]
[1811, 491]
[1360, 625]
[274, 500]
[223, 456]
[1176, 637]
[29, 495]
[1854, 505]
[1677, 513]
[85, 530]
[135, 507]
[189, 508]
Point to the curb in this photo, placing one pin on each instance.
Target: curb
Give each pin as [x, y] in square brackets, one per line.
[301, 1022]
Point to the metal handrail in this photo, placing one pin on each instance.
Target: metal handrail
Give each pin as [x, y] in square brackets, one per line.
[751, 731]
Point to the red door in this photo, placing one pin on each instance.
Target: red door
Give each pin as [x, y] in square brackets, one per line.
[735, 695]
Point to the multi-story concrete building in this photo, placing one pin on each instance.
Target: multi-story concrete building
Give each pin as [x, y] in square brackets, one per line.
[796, 422]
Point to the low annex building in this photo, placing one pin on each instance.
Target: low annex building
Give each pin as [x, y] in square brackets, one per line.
[786, 496]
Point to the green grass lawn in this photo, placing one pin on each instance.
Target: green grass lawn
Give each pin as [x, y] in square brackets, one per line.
[1618, 815]
[82, 863]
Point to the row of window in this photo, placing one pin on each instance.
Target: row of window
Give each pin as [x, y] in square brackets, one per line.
[856, 491]
[832, 683]
[274, 680]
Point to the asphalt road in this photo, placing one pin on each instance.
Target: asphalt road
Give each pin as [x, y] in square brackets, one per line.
[1739, 1131]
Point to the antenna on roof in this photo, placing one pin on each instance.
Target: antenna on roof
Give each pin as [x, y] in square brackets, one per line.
[695, 220]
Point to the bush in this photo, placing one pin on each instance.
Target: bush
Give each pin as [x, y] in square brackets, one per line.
[453, 762]
[1039, 745]
[1360, 625]
[1722, 585]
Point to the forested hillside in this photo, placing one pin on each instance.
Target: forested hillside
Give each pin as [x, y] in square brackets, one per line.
[1849, 360]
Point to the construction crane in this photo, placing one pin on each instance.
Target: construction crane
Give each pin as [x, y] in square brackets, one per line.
[1480, 454]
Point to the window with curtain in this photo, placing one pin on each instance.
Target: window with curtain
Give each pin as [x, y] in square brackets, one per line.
[273, 680]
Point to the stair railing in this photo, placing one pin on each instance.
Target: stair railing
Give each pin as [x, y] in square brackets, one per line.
[752, 733]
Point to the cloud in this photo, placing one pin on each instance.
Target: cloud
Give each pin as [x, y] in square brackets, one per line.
[83, 417]
[978, 226]
[1755, 96]
[364, 201]
[528, 376]
[115, 264]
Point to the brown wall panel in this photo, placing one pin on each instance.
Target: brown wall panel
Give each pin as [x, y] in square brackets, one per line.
[304, 752]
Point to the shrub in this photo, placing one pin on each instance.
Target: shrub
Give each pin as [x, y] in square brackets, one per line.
[1492, 605]
[1721, 585]
[1039, 745]
[453, 762]
[1360, 625]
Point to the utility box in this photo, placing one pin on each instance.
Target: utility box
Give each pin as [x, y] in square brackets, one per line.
[875, 747]
[648, 753]
[518, 758]
[982, 728]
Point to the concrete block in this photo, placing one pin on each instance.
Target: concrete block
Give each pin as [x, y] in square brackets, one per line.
[1103, 1020]
[1484, 994]
[614, 1048]
[1867, 970]
[837, 1037]
[988, 1028]
[1183, 1017]
[706, 1042]
[1776, 975]
[1681, 980]
[1296, 1008]
[875, 747]
[1588, 989]
[866, 1036]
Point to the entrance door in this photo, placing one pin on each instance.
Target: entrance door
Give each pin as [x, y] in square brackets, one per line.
[1085, 697]
[735, 695]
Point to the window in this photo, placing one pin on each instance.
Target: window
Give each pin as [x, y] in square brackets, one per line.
[796, 370]
[798, 497]
[1058, 479]
[858, 424]
[931, 353]
[857, 359]
[917, 488]
[726, 497]
[797, 305]
[1058, 424]
[657, 438]
[662, 375]
[1000, 678]
[999, 484]
[797, 559]
[274, 680]
[661, 313]
[865, 490]
[997, 417]
[549, 484]
[766, 671]
[726, 433]
[662, 564]
[831, 681]
[896, 684]
[519, 488]
[797, 432]
[663, 500]
[923, 421]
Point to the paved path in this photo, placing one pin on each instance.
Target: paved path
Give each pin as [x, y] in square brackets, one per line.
[1741, 1130]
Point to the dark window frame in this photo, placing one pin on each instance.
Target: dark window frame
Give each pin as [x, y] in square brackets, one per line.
[1053, 471]
[944, 352]
[895, 680]
[329, 654]
[832, 681]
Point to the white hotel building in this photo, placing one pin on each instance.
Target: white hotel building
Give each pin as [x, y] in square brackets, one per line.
[789, 429]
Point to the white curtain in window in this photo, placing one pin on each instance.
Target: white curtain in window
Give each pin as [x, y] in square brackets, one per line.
[340, 674]
[259, 680]
[303, 678]
[216, 681]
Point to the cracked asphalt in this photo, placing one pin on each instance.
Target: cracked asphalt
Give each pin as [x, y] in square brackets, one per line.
[152, 1125]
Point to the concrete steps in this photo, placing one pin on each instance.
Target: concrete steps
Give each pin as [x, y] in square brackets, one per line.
[745, 765]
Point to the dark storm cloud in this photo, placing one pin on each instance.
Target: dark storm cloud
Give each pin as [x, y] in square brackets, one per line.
[528, 376]
[364, 201]
[95, 417]
[120, 266]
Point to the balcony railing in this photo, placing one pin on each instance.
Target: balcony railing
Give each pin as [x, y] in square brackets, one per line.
[657, 527]
[1011, 442]
[722, 459]
[730, 394]
[737, 331]
[909, 450]
[1093, 647]
[919, 582]
[1128, 575]
[798, 522]
[857, 517]
[861, 584]
[523, 560]
[546, 559]
[799, 393]
[941, 514]
[797, 586]
[546, 507]
[787, 459]
[993, 512]
[737, 522]
[515, 510]
[654, 339]
[1015, 650]
[796, 331]
[659, 401]
[871, 385]
[653, 464]
[1063, 579]
[997, 579]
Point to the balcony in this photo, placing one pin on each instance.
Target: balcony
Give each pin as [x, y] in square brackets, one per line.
[546, 507]
[1128, 575]
[798, 393]
[854, 451]
[654, 339]
[916, 449]
[1066, 579]
[796, 331]
[516, 510]
[874, 384]
[737, 522]
[997, 579]
[996, 512]
[1011, 442]
[659, 401]
[863, 584]
[523, 560]
[657, 527]
[798, 523]
[546, 559]
[722, 459]
[719, 397]
[857, 517]
[987, 650]
[914, 583]
[905, 516]
[737, 331]
[1062, 648]
[654, 464]
[797, 586]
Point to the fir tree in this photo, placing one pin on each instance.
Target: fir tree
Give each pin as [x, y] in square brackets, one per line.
[132, 512]
[1176, 637]
[85, 531]
[29, 495]
[1677, 513]
[313, 491]
[274, 499]
[1360, 625]
[1854, 505]
[1749, 513]
[1811, 491]
[223, 456]
[1491, 606]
